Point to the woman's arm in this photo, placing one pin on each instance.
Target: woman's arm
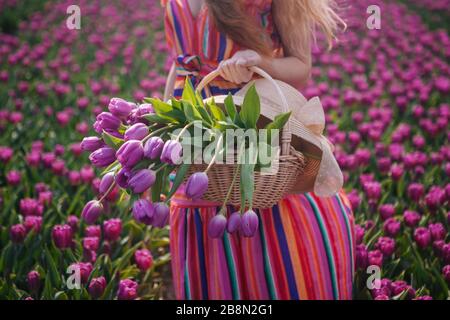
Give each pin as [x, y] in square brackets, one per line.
[288, 69]
[170, 83]
[294, 68]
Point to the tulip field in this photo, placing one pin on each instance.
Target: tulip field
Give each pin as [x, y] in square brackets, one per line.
[386, 94]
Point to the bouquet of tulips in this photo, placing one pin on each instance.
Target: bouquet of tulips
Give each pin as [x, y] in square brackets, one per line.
[141, 146]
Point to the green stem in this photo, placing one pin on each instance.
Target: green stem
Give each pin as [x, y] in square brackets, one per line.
[156, 132]
[215, 154]
[185, 128]
[162, 167]
[229, 191]
[111, 187]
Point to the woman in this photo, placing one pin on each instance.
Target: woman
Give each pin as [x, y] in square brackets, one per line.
[304, 247]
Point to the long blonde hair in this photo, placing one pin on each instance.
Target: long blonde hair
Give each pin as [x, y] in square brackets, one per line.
[295, 20]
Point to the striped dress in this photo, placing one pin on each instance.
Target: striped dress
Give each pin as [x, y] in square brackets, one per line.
[305, 245]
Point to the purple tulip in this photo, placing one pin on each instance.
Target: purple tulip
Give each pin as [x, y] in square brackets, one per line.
[161, 215]
[446, 273]
[422, 236]
[387, 211]
[96, 287]
[137, 131]
[93, 231]
[392, 227]
[103, 157]
[91, 211]
[122, 177]
[62, 236]
[91, 143]
[33, 281]
[127, 290]
[33, 223]
[172, 152]
[359, 233]
[144, 259]
[400, 286]
[153, 148]
[196, 185]
[362, 257]
[112, 229]
[250, 223]
[216, 226]
[386, 245]
[85, 269]
[130, 153]
[18, 233]
[106, 182]
[143, 211]
[415, 191]
[437, 231]
[411, 218]
[106, 121]
[234, 222]
[120, 108]
[375, 257]
[91, 243]
[142, 181]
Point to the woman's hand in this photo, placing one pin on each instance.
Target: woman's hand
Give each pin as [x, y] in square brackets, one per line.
[236, 69]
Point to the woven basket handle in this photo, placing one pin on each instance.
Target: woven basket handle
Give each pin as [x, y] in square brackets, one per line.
[286, 135]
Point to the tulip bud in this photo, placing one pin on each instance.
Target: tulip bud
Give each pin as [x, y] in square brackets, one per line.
[85, 269]
[127, 290]
[130, 153]
[144, 259]
[91, 144]
[91, 243]
[142, 180]
[153, 148]
[93, 231]
[422, 236]
[250, 223]
[122, 177]
[172, 152]
[446, 273]
[96, 287]
[18, 233]
[112, 229]
[62, 236]
[234, 222]
[216, 226]
[437, 231]
[137, 131]
[103, 157]
[160, 215]
[106, 182]
[197, 185]
[33, 281]
[143, 211]
[120, 107]
[106, 121]
[411, 218]
[33, 223]
[91, 211]
[375, 258]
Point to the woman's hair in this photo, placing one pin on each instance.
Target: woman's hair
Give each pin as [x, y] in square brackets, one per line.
[295, 20]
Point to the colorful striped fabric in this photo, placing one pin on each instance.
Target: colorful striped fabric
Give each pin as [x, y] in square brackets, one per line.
[197, 39]
[304, 250]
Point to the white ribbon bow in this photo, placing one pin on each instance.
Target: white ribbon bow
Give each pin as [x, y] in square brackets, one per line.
[329, 179]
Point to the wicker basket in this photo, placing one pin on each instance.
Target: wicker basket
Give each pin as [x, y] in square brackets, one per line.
[269, 189]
